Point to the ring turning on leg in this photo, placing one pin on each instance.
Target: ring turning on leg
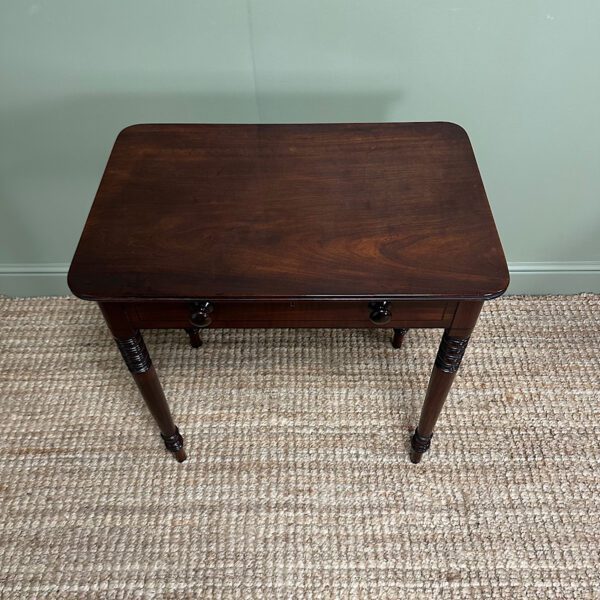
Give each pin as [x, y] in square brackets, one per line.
[450, 353]
[174, 444]
[419, 444]
[134, 353]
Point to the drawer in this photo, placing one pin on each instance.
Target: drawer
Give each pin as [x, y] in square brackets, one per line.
[330, 313]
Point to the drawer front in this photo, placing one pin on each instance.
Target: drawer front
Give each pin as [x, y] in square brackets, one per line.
[293, 314]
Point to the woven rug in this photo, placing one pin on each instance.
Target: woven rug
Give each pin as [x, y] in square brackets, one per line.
[298, 483]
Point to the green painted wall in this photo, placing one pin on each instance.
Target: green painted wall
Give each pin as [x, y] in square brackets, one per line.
[521, 76]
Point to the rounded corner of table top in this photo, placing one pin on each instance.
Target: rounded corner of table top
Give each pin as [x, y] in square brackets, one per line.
[130, 129]
[75, 285]
[500, 289]
[453, 128]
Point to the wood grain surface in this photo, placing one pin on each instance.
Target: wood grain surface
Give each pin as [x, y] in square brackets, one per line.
[267, 212]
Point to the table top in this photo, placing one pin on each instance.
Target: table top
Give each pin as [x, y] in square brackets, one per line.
[340, 211]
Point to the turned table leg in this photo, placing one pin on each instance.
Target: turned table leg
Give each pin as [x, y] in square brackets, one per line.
[450, 353]
[398, 337]
[138, 361]
[194, 333]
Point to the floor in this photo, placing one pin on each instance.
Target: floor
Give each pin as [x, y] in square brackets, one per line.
[298, 483]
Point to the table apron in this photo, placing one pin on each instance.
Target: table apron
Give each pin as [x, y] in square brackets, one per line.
[310, 313]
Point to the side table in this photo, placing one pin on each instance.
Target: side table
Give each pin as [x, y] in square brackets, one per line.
[334, 225]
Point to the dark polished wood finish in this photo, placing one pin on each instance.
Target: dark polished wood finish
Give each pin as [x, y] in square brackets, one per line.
[194, 335]
[345, 225]
[392, 210]
[137, 359]
[448, 359]
[398, 338]
[288, 314]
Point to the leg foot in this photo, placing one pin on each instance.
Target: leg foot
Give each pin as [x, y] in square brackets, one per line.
[398, 337]
[174, 444]
[194, 333]
[419, 445]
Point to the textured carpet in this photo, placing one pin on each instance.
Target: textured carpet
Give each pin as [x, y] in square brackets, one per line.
[298, 483]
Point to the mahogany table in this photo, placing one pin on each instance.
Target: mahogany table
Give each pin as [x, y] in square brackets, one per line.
[345, 225]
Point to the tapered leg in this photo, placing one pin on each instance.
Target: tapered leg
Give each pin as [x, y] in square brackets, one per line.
[136, 357]
[450, 353]
[398, 337]
[194, 333]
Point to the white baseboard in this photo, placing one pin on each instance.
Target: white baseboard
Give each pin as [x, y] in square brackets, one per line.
[50, 279]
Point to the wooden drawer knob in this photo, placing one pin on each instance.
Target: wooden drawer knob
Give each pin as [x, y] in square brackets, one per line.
[201, 314]
[381, 312]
